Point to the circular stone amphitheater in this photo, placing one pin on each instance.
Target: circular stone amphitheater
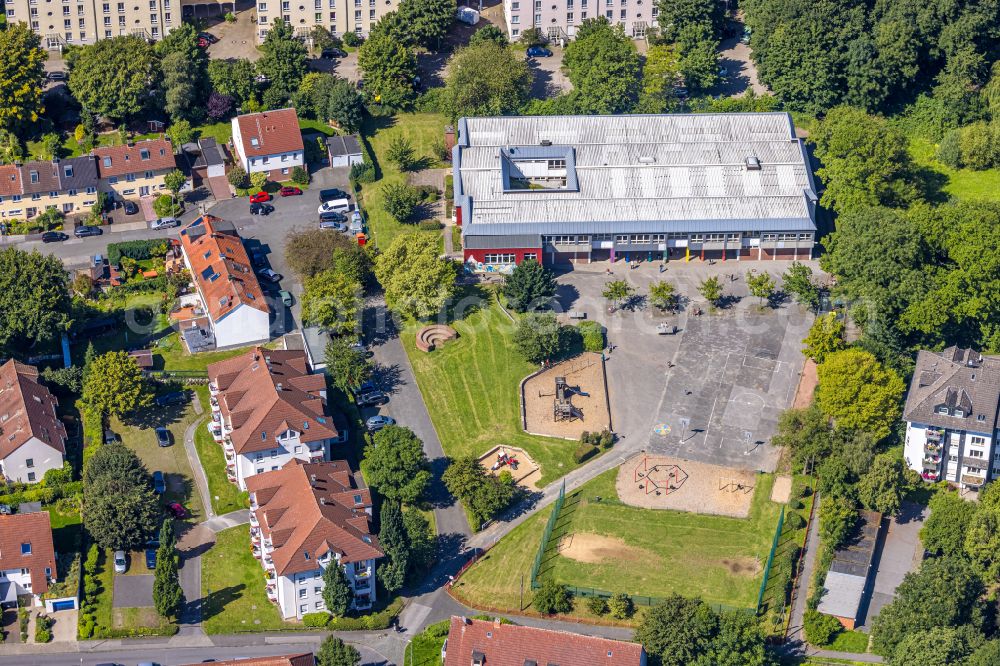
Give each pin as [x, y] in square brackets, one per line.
[430, 338]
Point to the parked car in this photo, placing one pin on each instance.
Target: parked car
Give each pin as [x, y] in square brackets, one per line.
[203, 43]
[87, 230]
[121, 564]
[377, 422]
[163, 437]
[172, 398]
[723, 72]
[269, 275]
[53, 237]
[260, 197]
[159, 483]
[331, 194]
[538, 52]
[286, 298]
[165, 223]
[56, 76]
[209, 37]
[177, 510]
[289, 191]
[5, 510]
[131, 207]
[334, 206]
[334, 216]
[329, 54]
[110, 436]
[261, 209]
[150, 558]
[258, 257]
[332, 224]
[374, 397]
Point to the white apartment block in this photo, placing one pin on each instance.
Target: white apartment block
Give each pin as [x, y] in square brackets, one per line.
[558, 19]
[337, 16]
[951, 417]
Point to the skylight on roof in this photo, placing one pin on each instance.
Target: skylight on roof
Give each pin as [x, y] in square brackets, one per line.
[366, 538]
[254, 142]
[206, 273]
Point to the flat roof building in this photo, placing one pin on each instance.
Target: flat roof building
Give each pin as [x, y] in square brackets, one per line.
[578, 189]
[847, 583]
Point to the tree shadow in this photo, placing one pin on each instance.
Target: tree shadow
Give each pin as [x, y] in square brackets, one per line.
[156, 416]
[566, 296]
[213, 603]
[931, 184]
[388, 378]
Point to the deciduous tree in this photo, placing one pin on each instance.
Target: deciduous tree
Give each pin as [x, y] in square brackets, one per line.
[416, 280]
[485, 496]
[396, 466]
[389, 68]
[760, 285]
[538, 336]
[334, 651]
[427, 21]
[233, 78]
[22, 71]
[331, 301]
[551, 598]
[529, 286]
[859, 392]
[114, 77]
[400, 200]
[711, 290]
[487, 79]
[34, 303]
[881, 488]
[797, 281]
[937, 646]
[826, 336]
[491, 33]
[677, 631]
[659, 78]
[400, 152]
[284, 63]
[617, 291]
[603, 65]
[945, 529]
[662, 295]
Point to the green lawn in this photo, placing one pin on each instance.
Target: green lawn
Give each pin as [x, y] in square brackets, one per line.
[849, 641]
[964, 184]
[66, 526]
[142, 318]
[232, 587]
[471, 387]
[425, 648]
[170, 355]
[422, 130]
[225, 495]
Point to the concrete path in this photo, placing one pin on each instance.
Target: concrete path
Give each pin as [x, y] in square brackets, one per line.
[190, 546]
[227, 520]
[200, 480]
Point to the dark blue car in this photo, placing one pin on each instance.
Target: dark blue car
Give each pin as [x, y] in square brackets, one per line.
[151, 558]
[538, 52]
[159, 483]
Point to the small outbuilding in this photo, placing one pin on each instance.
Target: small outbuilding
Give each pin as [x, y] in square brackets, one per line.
[849, 580]
[345, 151]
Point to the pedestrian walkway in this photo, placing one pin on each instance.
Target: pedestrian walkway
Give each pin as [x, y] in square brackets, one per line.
[227, 520]
[200, 480]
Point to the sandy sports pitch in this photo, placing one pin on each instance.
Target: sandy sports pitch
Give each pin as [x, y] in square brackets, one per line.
[663, 482]
[527, 473]
[584, 373]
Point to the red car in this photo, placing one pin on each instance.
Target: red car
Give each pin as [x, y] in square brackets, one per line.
[260, 197]
[289, 191]
[203, 43]
[177, 510]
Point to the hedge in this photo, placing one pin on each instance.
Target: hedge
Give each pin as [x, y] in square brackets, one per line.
[135, 249]
[43, 495]
[593, 335]
[584, 452]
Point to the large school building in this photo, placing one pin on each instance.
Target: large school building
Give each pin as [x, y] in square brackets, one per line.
[579, 189]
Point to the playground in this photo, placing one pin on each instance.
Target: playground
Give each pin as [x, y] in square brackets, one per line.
[567, 398]
[663, 482]
[524, 470]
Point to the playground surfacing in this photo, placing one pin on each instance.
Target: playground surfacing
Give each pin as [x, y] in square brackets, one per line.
[665, 482]
[525, 471]
[585, 377]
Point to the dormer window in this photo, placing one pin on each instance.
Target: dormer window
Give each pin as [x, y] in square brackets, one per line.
[34, 176]
[26, 548]
[68, 170]
[959, 413]
[106, 162]
[942, 409]
[144, 154]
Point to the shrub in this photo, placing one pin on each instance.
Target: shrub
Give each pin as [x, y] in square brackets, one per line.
[316, 619]
[593, 335]
[584, 452]
[620, 606]
[820, 629]
[532, 37]
[165, 206]
[400, 201]
[136, 249]
[794, 520]
[603, 439]
[300, 176]
[351, 39]
[237, 177]
[597, 605]
[950, 149]
[553, 598]
[430, 225]
[258, 180]
[363, 172]
[43, 629]
[230, 17]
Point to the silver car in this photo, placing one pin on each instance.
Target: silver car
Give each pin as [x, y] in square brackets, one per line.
[165, 223]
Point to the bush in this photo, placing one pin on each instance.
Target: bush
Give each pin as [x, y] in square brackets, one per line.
[820, 629]
[532, 37]
[400, 201]
[230, 17]
[794, 520]
[165, 206]
[43, 629]
[593, 335]
[603, 439]
[363, 172]
[316, 620]
[300, 176]
[584, 452]
[352, 39]
[237, 177]
[136, 249]
[978, 146]
[553, 598]
[258, 180]
[597, 605]
[430, 225]
[950, 150]
[620, 606]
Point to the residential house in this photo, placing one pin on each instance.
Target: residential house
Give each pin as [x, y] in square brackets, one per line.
[491, 643]
[337, 16]
[135, 169]
[70, 186]
[267, 410]
[344, 151]
[32, 438]
[269, 142]
[233, 308]
[305, 517]
[27, 556]
[951, 417]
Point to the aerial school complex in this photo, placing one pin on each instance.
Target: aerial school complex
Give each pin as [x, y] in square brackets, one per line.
[580, 189]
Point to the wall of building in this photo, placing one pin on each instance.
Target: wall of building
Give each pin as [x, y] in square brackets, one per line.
[499, 260]
[337, 16]
[147, 183]
[249, 464]
[69, 202]
[90, 20]
[21, 578]
[303, 592]
[559, 19]
[961, 453]
[243, 325]
[43, 458]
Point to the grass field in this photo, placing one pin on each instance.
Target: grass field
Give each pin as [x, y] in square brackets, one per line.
[849, 641]
[664, 552]
[422, 130]
[425, 648]
[963, 184]
[225, 496]
[470, 387]
[232, 587]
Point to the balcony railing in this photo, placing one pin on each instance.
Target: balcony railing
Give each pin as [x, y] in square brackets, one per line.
[929, 475]
[934, 434]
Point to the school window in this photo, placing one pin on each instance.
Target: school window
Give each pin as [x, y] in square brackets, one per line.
[504, 258]
[30, 462]
[303, 592]
[973, 453]
[640, 239]
[569, 19]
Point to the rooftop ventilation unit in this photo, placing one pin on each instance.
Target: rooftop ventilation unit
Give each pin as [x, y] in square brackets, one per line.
[647, 160]
[753, 164]
[546, 142]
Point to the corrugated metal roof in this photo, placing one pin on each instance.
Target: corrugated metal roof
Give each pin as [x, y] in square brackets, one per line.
[650, 169]
[842, 594]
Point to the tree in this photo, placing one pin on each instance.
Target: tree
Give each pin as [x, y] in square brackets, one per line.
[34, 304]
[114, 385]
[183, 77]
[394, 540]
[826, 336]
[334, 651]
[489, 33]
[485, 496]
[284, 63]
[22, 73]
[797, 281]
[313, 251]
[943, 592]
[699, 57]
[739, 642]
[345, 364]
[881, 488]
[423, 540]
[400, 200]
[660, 75]
[331, 301]
[677, 631]
[982, 540]
[662, 295]
[711, 290]
[400, 152]
[529, 286]
[234, 79]
[417, 282]
[487, 79]
[937, 646]
[120, 509]
[427, 21]
[11, 148]
[945, 529]
[806, 433]
[760, 285]
[396, 466]
[175, 181]
[165, 206]
[258, 179]
[820, 629]
[114, 77]
[859, 392]
[617, 291]
[538, 336]
[389, 68]
[167, 593]
[344, 105]
[603, 65]
[620, 606]
[181, 132]
[336, 589]
[675, 15]
[69, 379]
[837, 519]
[237, 176]
[219, 106]
[986, 655]
[323, 39]
[552, 598]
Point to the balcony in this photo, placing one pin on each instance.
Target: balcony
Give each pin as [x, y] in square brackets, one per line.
[212, 388]
[362, 602]
[364, 574]
[932, 462]
[973, 479]
[929, 475]
[934, 434]
[272, 592]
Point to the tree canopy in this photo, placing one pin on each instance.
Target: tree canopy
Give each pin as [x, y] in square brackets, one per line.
[331, 300]
[114, 77]
[484, 495]
[416, 280]
[114, 385]
[389, 67]
[346, 364]
[396, 466]
[603, 65]
[22, 71]
[487, 79]
[284, 63]
[34, 303]
[120, 510]
[859, 392]
[529, 286]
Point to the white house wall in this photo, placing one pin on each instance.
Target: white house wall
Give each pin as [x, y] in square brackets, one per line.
[243, 325]
[248, 464]
[43, 458]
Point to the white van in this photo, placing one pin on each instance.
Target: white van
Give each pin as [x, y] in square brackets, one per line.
[335, 206]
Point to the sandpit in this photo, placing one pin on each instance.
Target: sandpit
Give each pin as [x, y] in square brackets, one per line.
[584, 374]
[527, 473]
[598, 549]
[781, 491]
[663, 482]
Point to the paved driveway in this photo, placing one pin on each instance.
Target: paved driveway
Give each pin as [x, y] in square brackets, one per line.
[133, 591]
[549, 79]
[734, 55]
[901, 552]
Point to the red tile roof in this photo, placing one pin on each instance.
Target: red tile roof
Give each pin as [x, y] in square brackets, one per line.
[35, 531]
[275, 131]
[305, 659]
[147, 155]
[511, 645]
[221, 267]
[27, 409]
[264, 392]
[10, 180]
[311, 509]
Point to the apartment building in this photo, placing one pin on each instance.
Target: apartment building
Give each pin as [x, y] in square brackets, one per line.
[61, 23]
[267, 409]
[70, 186]
[337, 16]
[135, 169]
[951, 417]
[558, 19]
[269, 142]
[27, 556]
[304, 518]
[32, 438]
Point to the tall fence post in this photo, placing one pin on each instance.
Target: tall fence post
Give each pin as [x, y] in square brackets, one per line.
[770, 558]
